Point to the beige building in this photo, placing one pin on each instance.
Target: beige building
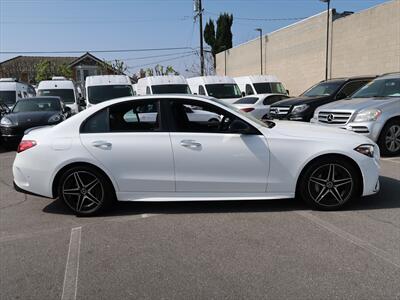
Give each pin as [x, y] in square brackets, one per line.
[363, 43]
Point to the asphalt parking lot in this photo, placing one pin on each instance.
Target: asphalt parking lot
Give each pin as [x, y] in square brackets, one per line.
[246, 249]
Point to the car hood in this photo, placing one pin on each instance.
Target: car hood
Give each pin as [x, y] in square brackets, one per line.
[34, 118]
[310, 131]
[358, 103]
[300, 100]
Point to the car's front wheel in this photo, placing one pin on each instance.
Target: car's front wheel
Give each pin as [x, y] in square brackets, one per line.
[389, 139]
[329, 183]
[85, 190]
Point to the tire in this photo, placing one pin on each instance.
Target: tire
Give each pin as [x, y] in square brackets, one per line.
[86, 191]
[389, 139]
[322, 191]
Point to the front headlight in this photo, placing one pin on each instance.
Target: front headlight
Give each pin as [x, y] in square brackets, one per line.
[366, 149]
[6, 121]
[366, 115]
[300, 108]
[54, 119]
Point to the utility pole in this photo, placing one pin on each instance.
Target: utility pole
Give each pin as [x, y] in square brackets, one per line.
[328, 2]
[198, 8]
[261, 50]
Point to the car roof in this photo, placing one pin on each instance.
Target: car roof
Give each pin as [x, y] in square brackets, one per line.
[163, 80]
[351, 78]
[107, 80]
[211, 80]
[390, 75]
[40, 97]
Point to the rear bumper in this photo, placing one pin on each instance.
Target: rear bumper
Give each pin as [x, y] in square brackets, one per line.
[20, 190]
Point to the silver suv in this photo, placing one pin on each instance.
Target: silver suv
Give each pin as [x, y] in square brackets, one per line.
[373, 111]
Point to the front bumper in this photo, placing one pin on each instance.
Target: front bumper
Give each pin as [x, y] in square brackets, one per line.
[371, 130]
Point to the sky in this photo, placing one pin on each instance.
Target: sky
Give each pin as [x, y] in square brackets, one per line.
[89, 25]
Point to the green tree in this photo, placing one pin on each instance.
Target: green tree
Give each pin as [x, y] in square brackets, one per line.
[64, 70]
[43, 70]
[221, 39]
[119, 65]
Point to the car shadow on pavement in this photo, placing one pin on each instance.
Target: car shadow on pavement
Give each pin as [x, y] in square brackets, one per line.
[386, 199]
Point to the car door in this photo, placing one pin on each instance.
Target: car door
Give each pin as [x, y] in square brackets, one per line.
[210, 158]
[137, 153]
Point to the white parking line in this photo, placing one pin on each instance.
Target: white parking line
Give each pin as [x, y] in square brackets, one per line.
[72, 266]
[351, 238]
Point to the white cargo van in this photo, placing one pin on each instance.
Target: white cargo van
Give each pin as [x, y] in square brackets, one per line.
[63, 88]
[11, 90]
[105, 87]
[167, 84]
[220, 87]
[260, 84]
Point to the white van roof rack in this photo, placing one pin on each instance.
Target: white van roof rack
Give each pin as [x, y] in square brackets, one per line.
[8, 80]
[58, 78]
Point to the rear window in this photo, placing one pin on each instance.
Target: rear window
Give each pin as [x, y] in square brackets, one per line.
[269, 87]
[247, 100]
[171, 89]
[66, 95]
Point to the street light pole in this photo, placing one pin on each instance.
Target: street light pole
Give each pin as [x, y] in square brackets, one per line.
[328, 2]
[199, 10]
[261, 50]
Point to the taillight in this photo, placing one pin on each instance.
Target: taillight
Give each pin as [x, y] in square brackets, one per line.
[25, 145]
[248, 109]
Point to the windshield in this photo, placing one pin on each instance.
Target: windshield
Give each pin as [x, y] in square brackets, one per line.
[223, 90]
[171, 89]
[247, 100]
[380, 88]
[270, 87]
[100, 93]
[37, 104]
[323, 89]
[66, 95]
[8, 97]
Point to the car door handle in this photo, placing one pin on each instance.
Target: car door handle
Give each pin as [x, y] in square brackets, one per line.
[190, 144]
[102, 145]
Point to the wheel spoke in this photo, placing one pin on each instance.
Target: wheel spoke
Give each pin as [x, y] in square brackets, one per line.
[331, 173]
[335, 193]
[74, 191]
[79, 203]
[321, 195]
[78, 180]
[318, 181]
[340, 182]
[92, 198]
[91, 185]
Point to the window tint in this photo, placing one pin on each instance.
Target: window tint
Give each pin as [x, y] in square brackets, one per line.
[386, 87]
[223, 90]
[201, 90]
[272, 99]
[171, 89]
[97, 123]
[7, 97]
[249, 90]
[269, 87]
[37, 104]
[350, 88]
[100, 93]
[134, 116]
[205, 118]
[66, 95]
[247, 100]
[325, 88]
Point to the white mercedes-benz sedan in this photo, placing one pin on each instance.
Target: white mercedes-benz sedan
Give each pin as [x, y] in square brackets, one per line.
[102, 154]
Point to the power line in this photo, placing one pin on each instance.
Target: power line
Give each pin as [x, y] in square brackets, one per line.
[95, 51]
[157, 56]
[260, 19]
[158, 62]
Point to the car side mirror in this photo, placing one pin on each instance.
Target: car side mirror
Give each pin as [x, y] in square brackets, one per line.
[239, 126]
[243, 94]
[287, 92]
[82, 102]
[67, 110]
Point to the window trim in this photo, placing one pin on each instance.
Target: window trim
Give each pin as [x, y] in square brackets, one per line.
[195, 102]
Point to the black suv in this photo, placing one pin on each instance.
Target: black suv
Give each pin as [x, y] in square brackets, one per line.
[302, 108]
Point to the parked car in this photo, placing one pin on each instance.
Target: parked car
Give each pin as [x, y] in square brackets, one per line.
[97, 156]
[220, 87]
[260, 84]
[105, 87]
[258, 105]
[302, 108]
[373, 111]
[65, 89]
[167, 84]
[31, 112]
[11, 90]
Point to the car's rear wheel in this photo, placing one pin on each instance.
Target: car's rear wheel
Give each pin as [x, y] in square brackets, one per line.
[85, 191]
[329, 183]
[389, 140]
